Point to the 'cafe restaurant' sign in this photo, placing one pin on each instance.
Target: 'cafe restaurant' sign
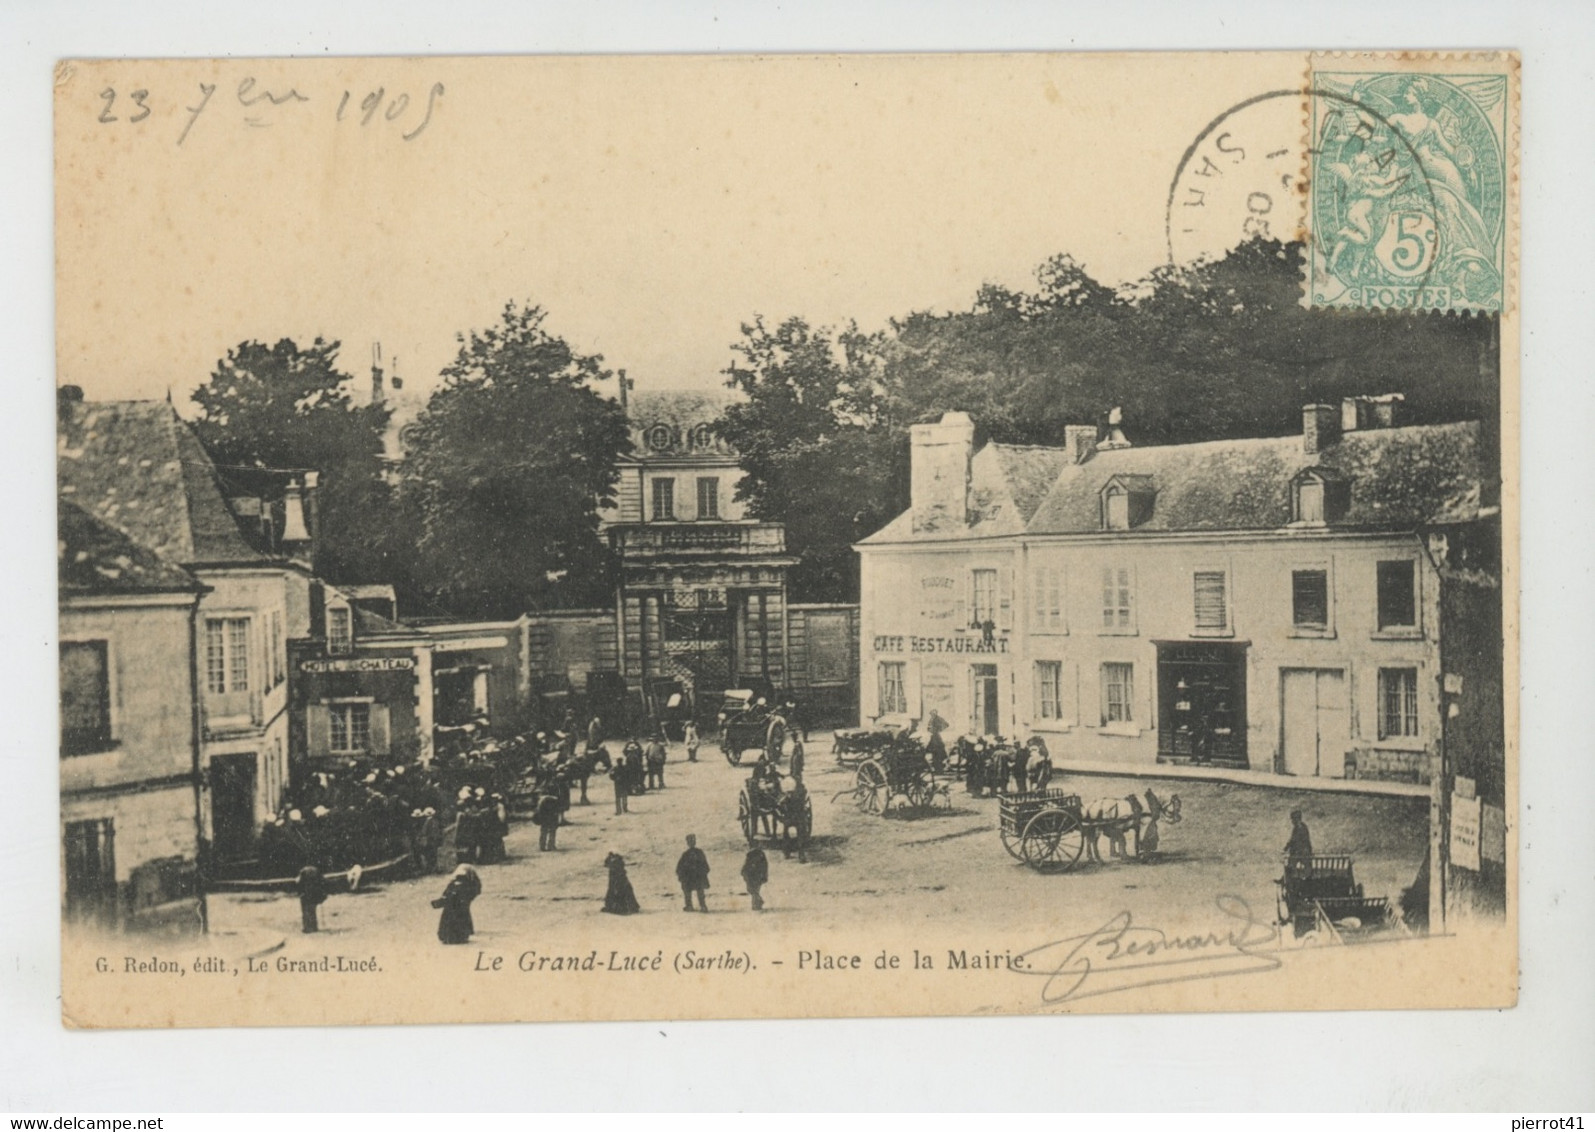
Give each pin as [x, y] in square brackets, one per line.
[911, 643]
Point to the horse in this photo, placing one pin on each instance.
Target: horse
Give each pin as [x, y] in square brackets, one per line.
[1117, 818]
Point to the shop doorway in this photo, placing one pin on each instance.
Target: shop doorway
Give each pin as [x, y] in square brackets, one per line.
[986, 715]
[232, 805]
[90, 848]
[1202, 702]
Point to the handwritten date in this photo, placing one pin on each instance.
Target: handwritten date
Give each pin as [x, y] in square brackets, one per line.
[259, 107]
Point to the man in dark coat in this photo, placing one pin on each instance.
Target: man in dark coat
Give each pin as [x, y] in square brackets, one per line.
[692, 870]
[795, 765]
[312, 891]
[1299, 849]
[633, 757]
[1021, 768]
[657, 754]
[756, 874]
[547, 817]
[455, 925]
[621, 777]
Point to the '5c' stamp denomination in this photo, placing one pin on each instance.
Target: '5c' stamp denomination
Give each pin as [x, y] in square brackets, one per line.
[1409, 187]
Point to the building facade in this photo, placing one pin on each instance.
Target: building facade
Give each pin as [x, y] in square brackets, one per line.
[1274, 604]
[130, 749]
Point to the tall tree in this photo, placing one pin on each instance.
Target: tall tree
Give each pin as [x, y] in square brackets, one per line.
[821, 452]
[507, 469]
[268, 412]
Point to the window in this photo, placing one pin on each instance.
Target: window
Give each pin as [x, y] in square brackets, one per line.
[1310, 501]
[985, 596]
[340, 628]
[1118, 690]
[277, 664]
[1212, 601]
[1046, 610]
[894, 695]
[227, 655]
[1117, 612]
[664, 499]
[351, 728]
[1118, 502]
[85, 697]
[1309, 599]
[708, 498]
[1398, 606]
[1398, 703]
[1049, 689]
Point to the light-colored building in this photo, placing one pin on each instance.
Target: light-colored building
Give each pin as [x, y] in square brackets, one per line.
[137, 467]
[1271, 604]
[130, 834]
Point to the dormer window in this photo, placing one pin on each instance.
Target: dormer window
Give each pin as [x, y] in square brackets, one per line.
[340, 628]
[1127, 502]
[702, 437]
[661, 437]
[1318, 496]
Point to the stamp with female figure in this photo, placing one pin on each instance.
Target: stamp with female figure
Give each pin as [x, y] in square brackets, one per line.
[1410, 178]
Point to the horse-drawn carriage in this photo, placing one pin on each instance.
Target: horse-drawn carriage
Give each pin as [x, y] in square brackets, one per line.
[1320, 893]
[770, 809]
[900, 774]
[853, 746]
[1052, 829]
[748, 724]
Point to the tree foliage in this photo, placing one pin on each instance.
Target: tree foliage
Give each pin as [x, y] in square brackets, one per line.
[508, 467]
[268, 413]
[1202, 352]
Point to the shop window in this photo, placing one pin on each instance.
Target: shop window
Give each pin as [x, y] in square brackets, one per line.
[350, 728]
[1398, 703]
[664, 499]
[1398, 604]
[893, 690]
[1309, 599]
[708, 497]
[1118, 693]
[1049, 689]
[85, 697]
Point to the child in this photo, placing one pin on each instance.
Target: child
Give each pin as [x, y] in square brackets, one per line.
[691, 735]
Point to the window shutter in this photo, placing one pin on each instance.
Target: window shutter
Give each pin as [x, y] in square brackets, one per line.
[962, 612]
[379, 729]
[912, 690]
[1210, 600]
[318, 730]
[1005, 597]
[1038, 607]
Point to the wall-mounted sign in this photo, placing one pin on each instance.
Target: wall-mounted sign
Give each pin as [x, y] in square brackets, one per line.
[460, 645]
[359, 664]
[911, 643]
[1465, 832]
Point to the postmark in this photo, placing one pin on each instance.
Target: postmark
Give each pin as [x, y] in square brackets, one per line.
[1409, 183]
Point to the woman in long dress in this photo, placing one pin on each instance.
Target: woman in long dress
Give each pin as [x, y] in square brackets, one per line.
[455, 925]
[620, 900]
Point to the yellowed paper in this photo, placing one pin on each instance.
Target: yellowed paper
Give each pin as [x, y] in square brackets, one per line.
[1236, 640]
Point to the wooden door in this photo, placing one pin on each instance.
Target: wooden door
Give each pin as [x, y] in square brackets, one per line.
[1313, 721]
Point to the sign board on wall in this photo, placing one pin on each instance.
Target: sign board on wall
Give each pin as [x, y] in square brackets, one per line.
[359, 664]
[1464, 832]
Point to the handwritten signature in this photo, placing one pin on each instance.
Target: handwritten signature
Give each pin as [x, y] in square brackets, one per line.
[1121, 955]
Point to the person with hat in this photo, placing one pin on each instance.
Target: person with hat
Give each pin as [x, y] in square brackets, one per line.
[692, 870]
[795, 761]
[634, 772]
[312, 892]
[1299, 849]
[618, 775]
[657, 754]
[755, 875]
[455, 925]
[547, 816]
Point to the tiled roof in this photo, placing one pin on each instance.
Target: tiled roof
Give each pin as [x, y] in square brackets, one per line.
[679, 408]
[138, 467]
[95, 558]
[1399, 478]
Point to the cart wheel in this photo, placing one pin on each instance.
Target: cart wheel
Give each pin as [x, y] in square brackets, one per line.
[870, 787]
[774, 740]
[1013, 841]
[745, 817]
[730, 750]
[1053, 839]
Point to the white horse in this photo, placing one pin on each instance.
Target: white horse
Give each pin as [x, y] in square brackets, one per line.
[1117, 818]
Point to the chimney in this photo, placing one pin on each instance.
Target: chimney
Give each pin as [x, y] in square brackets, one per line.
[312, 509]
[293, 517]
[939, 472]
[377, 392]
[1080, 441]
[1116, 437]
[1320, 428]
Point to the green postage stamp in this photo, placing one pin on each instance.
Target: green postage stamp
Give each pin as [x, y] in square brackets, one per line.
[1410, 182]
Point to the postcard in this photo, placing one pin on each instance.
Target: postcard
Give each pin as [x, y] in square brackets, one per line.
[579, 538]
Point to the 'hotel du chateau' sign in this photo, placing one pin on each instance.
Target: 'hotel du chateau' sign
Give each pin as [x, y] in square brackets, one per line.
[359, 664]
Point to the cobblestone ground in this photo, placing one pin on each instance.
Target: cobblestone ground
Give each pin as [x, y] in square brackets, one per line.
[943, 867]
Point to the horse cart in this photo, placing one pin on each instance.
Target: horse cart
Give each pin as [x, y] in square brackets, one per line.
[769, 810]
[854, 745]
[1320, 893]
[899, 775]
[1052, 829]
[747, 726]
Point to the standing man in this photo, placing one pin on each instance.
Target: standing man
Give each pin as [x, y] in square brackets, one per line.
[633, 761]
[756, 874]
[796, 765]
[547, 816]
[618, 775]
[692, 870]
[656, 762]
[1021, 767]
[1299, 849]
[312, 891]
[595, 733]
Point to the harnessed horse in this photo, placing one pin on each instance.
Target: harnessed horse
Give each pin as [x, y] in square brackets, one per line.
[1117, 818]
